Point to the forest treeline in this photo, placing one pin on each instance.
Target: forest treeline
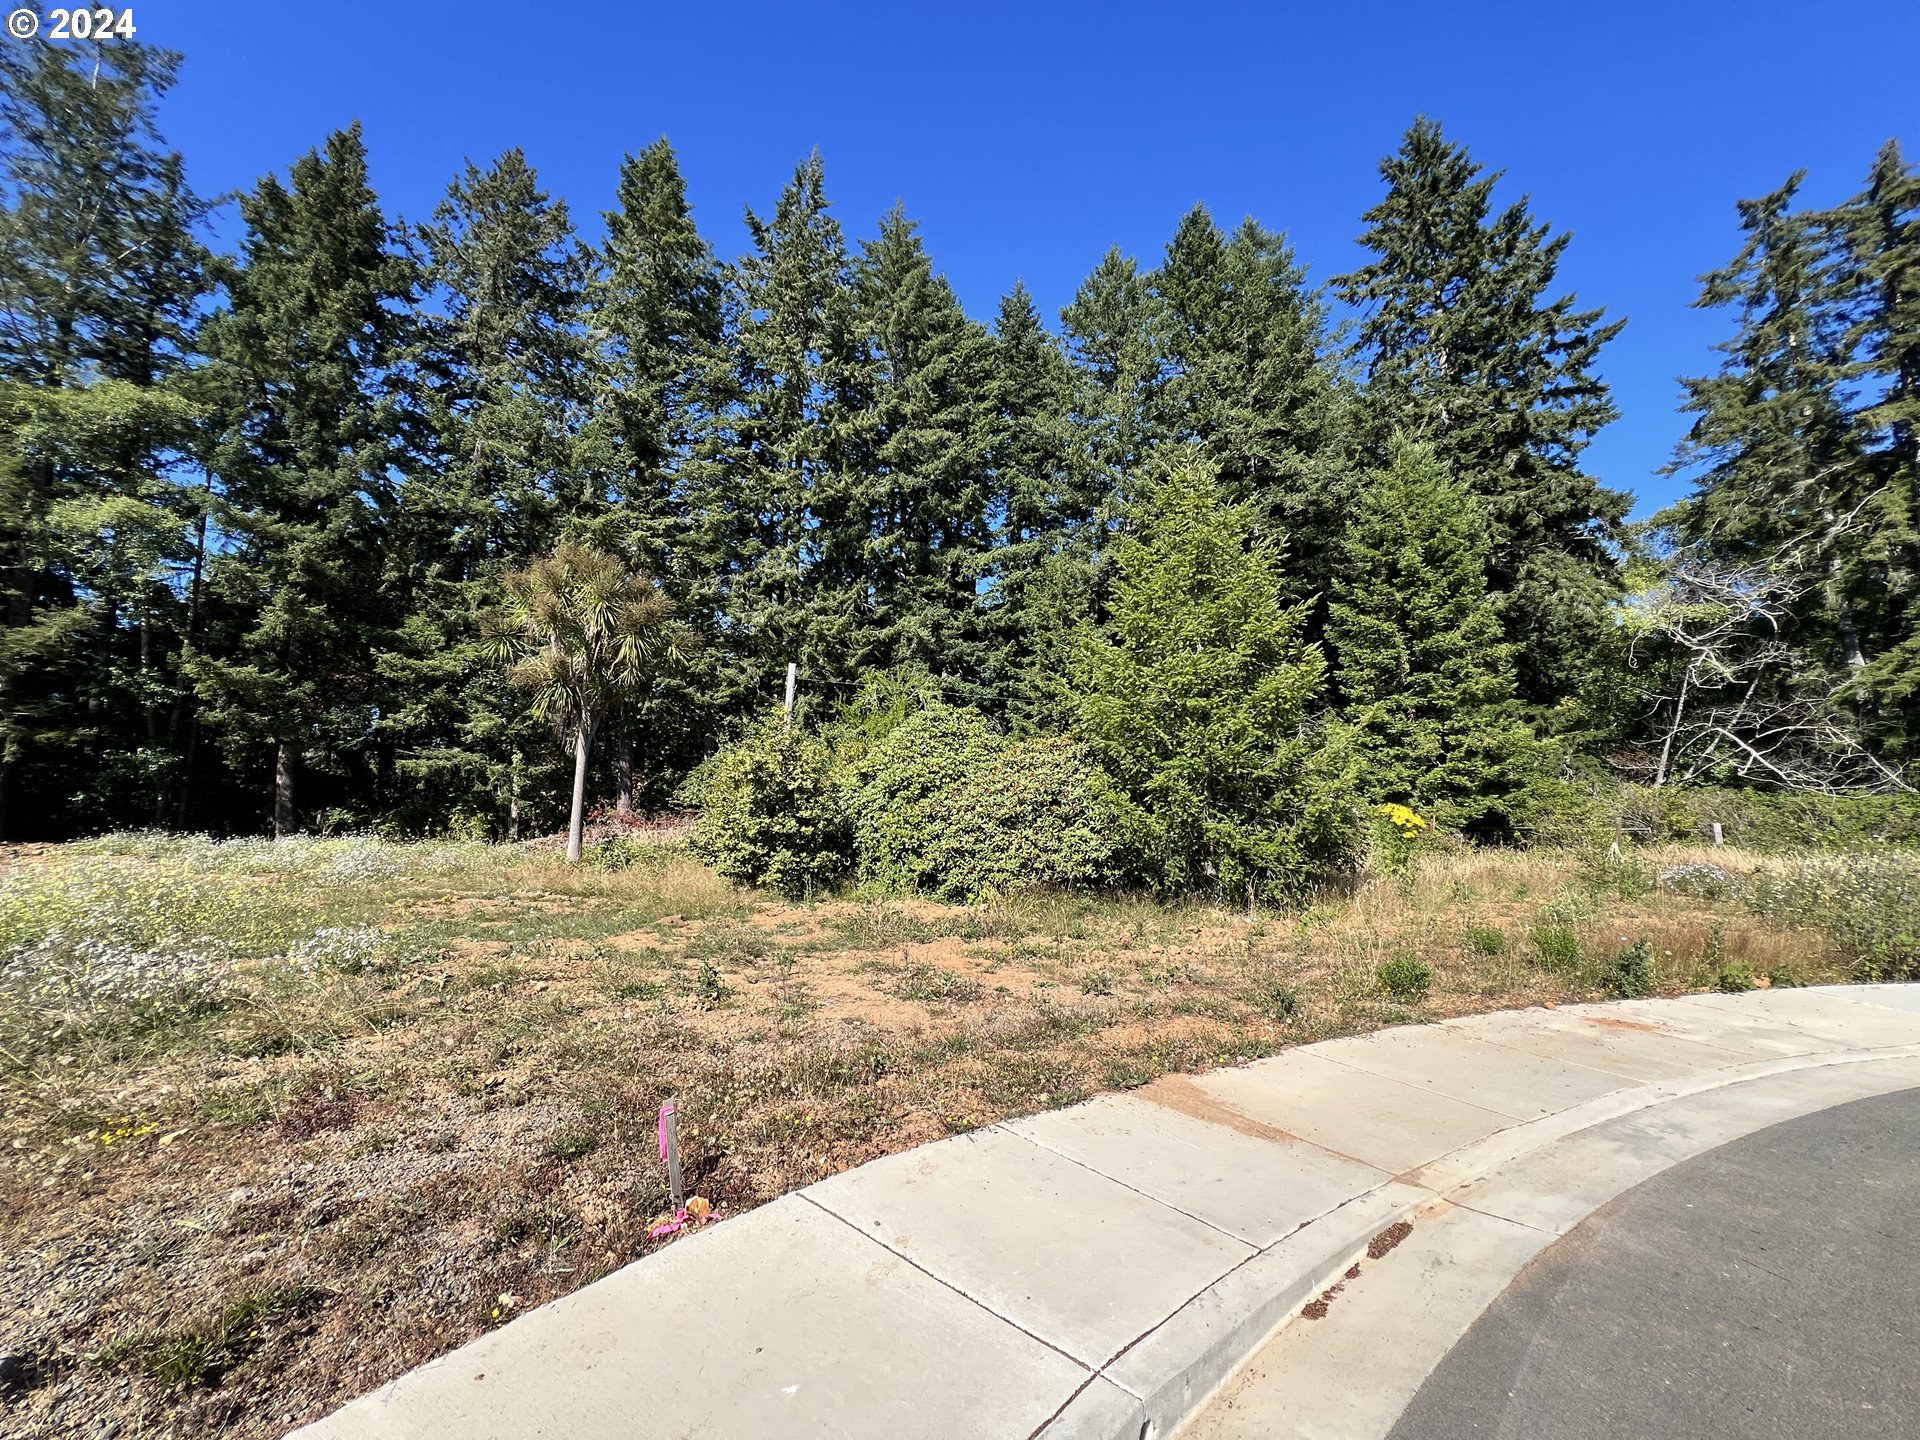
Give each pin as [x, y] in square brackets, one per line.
[255, 506]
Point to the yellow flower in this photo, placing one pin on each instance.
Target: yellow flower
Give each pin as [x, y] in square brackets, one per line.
[1403, 819]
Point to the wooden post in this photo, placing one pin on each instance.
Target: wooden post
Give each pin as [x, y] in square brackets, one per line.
[670, 1152]
[793, 688]
[1718, 838]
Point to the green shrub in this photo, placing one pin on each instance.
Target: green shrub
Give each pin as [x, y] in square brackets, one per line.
[1278, 1000]
[945, 805]
[1736, 977]
[1406, 976]
[773, 813]
[1629, 972]
[1486, 940]
[1868, 907]
[1557, 946]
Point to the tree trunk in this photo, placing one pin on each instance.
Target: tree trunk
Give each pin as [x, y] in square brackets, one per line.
[623, 771]
[513, 799]
[1679, 713]
[582, 743]
[283, 816]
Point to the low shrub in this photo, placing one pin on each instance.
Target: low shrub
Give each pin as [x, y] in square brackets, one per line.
[1278, 1000]
[945, 805]
[1704, 882]
[1486, 940]
[773, 813]
[1628, 973]
[1405, 976]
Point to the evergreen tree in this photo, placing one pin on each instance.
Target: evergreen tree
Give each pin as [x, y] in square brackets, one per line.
[1880, 234]
[499, 379]
[1242, 377]
[1463, 348]
[100, 272]
[1782, 488]
[1046, 508]
[1420, 663]
[772, 491]
[921, 451]
[659, 317]
[1113, 333]
[302, 353]
[1202, 700]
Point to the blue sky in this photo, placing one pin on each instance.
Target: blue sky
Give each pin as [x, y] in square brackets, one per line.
[1027, 138]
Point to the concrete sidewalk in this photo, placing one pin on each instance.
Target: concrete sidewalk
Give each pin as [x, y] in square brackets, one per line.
[1098, 1271]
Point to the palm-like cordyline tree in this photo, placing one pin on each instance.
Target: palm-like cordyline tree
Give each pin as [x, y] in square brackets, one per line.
[584, 634]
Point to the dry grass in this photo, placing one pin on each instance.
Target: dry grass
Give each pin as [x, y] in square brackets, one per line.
[369, 1164]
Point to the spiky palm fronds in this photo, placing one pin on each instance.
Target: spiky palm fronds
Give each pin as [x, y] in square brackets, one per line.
[582, 633]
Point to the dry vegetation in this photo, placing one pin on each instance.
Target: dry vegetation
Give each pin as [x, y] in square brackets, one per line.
[404, 1093]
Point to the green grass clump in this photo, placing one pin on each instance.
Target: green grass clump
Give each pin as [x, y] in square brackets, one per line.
[1486, 940]
[1406, 976]
[1557, 946]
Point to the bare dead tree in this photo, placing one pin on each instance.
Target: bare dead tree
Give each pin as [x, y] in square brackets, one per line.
[1735, 703]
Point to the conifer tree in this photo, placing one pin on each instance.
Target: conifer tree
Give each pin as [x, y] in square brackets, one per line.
[100, 272]
[499, 379]
[1420, 663]
[1112, 331]
[302, 352]
[1879, 232]
[1463, 347]
[1203, 698]
[920, 447]
[659, 321]
[1242, 377]
[1046, 507]
[772, 489]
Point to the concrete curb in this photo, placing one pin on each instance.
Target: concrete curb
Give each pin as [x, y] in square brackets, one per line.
[1098, 1272]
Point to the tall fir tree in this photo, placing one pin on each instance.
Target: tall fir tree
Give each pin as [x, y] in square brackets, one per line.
[1046, 508]
[101, 270]
[921, 448]
[660, 325]
[1113, 333]
[302, 355]
[1463, 347]
[1781, 487]
[1879, 231]
[498, 372]
[1421, 666]
[1243, 377]
[658, 317]
[772, 491]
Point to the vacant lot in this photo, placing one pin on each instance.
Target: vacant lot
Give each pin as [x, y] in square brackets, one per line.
[278, 1122]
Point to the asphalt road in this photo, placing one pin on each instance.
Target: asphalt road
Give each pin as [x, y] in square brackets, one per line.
[1768, 1290]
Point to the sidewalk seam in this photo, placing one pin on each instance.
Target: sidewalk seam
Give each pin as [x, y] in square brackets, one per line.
[974, 1300]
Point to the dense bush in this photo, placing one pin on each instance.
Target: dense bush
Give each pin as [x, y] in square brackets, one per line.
[773, 812]
[946, 805]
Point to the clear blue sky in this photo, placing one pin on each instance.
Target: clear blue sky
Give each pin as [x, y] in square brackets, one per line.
[1027, 138]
